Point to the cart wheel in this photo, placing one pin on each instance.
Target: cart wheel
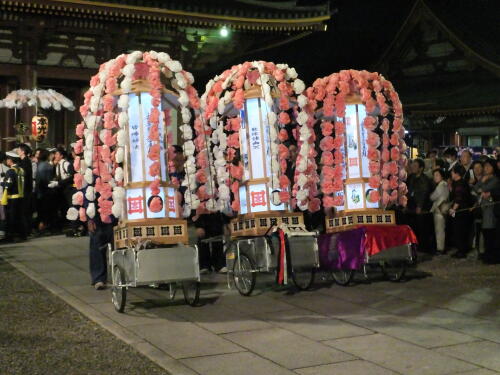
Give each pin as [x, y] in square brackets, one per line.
[118, 293]
[191, 291]
[243, 275]
[394, 271]
[303, 279]
[343, 277]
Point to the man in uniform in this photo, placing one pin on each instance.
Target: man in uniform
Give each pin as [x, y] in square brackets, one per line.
[12, 198]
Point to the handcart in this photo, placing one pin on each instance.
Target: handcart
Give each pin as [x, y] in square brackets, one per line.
[147, 265]
[361, 249]
[247, 256]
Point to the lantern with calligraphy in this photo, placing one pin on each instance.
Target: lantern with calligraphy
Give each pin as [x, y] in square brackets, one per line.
[250, 115]
[362, 161]
[39, 127]
[126, 156]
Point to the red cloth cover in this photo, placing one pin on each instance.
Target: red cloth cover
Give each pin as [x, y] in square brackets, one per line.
[381, 237]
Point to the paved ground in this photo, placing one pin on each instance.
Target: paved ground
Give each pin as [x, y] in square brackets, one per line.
[41, 334]
[444, 320]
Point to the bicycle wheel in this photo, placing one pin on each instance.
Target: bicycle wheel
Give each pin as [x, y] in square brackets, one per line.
[191, 290]
[394, 271]
[342, 277]
[118, 292]
[303, 279]
[243, 274]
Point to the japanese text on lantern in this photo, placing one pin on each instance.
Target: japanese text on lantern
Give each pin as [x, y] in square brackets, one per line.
[258, 198]
[135, 205]
[171, 204]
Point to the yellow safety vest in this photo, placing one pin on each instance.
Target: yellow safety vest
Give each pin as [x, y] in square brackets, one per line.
[20, 187]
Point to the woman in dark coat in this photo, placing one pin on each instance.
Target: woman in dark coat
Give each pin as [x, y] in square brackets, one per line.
[461, 216]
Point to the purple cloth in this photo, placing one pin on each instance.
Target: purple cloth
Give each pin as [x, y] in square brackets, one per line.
[344, 250]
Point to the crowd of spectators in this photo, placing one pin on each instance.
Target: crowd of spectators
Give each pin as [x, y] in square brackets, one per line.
[454, 204]
[36, 189]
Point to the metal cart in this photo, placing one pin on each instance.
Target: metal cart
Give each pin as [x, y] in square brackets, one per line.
[247, 256]
[146, 265]
[393, 262]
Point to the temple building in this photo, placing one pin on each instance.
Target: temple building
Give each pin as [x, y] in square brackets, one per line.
[59, 43]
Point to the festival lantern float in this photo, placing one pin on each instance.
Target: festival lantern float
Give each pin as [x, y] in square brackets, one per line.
[362, 162]
[124, 163]
[38, 98]
[249, 112]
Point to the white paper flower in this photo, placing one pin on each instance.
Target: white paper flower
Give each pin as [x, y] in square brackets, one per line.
[117, 209]
[91, 210]
[123, 119]
[121, 137]
[90, 193]
[123, 102]
[119, 174]
[302, 118]
[88, 177]
[120, 154]
[163, 57]
[186, 114]
[183, 98]
[72, 214]
[302, 100]
[298, 86]
[126, 84]
[291, 73]
[174, 66]
[181, 81]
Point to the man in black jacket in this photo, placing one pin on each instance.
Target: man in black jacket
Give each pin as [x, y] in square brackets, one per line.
[24, 153]
[64, 172]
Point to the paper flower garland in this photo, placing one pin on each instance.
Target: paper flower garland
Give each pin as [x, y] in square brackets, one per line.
[220, 170]
[30, 98]
[385, 153]
[103, 136]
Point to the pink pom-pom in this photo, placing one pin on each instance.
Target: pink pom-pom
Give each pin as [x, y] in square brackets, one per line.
[327, 158]
[78, 148]
[326, 128]
[82, 214]
[386, 156]
[78, 180]
[76, 164]
[284, 196]
[374, 196]
[283, 135]
[374, 182]
[236, 171]
[284, 118]
[314, 205]
[326, 144]
[395, 154]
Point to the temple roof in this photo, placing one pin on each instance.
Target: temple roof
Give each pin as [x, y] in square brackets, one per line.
[240, 14]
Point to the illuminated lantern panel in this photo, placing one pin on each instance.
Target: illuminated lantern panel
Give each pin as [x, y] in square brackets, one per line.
[356, 173]
[257, 193]
[140, 203]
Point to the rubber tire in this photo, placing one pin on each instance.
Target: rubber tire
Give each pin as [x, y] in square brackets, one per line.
[120, 291]
[191, 301]
[395, 277]
[346, 280]
[310, 281]
[245, 258]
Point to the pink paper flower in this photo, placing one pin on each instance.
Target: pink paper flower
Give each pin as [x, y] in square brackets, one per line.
[78, 180]
[284, 182]
[236, 171]
[82, 214]
[78, 148]
[156, 204]
[374, 196]
[155, 187]
[234, 140]
[314, 205]
[283, 135]
[238, 99]
[284, 196]
[284, 118]
[327, 158]
[374, 182]
[326, 144]
[154, 169]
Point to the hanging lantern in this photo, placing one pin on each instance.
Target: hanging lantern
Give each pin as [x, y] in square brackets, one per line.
[39, 127]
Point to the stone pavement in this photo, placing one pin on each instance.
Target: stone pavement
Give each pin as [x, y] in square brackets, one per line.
[427, 325]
